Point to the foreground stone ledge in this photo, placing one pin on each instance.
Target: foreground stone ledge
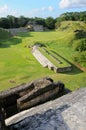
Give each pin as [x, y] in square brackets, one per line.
[65, 113]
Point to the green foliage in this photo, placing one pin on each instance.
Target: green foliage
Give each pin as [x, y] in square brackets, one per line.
[80, 34]
[57, 24]
[80, 58]
[50, 23]
[4, 34]
[15, 22]
[40, 21]
[75, 26]
[74, 16]
[80, 45]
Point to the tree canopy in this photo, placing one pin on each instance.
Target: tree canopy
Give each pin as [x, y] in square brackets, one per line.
[50, 22]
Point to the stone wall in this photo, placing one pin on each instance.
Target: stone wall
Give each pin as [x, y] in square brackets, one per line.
[28, 95]
[15, 31]
[38, 28]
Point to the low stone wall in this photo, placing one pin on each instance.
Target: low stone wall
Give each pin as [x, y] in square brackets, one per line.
[40, 95]
[27, 92]
[28, 95]
[38, 28]
[63, 69]
[15, 31]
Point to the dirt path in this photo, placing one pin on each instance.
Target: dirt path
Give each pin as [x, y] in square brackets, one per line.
[80, 67]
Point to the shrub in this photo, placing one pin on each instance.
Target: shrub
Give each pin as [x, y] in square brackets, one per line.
[80, 57]
[80, 45]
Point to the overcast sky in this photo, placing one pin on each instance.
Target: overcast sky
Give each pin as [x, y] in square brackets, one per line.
[40, 8]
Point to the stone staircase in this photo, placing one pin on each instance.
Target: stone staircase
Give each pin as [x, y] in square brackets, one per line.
[65, 113]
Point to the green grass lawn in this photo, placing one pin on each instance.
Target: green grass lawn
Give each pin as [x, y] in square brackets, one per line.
[18, 65]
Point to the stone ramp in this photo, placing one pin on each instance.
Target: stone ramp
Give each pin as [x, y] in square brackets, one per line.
[41, 58]
[65, 113]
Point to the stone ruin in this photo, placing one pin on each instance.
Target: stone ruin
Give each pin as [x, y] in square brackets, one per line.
[15, 31]
[33, 26]
[45, 62]
[28, 95]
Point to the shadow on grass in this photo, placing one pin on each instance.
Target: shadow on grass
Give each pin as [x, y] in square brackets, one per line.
[75, 69]
[12, 41]
[24, 34]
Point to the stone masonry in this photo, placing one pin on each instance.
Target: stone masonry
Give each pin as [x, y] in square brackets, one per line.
[45, 62]
[66, 113]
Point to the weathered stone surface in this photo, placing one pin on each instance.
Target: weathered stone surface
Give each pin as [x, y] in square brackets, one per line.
[43, 91]
[28, 95]
[15, 31]
[38, 28]
[41, 58]
[66, 113]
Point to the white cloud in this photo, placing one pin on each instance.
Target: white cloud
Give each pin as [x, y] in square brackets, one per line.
[3, 9]
[41, 11]
[14, 13]
[72, 3]
[50, 8]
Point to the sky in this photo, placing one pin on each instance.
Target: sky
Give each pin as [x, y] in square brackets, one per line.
[40, 8]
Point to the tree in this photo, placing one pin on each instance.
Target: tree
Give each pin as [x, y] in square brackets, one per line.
[22, 21]
[4, 23]
[50, 23]
[39, 21]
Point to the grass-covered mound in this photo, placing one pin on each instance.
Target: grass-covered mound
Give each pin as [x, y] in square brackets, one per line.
[76, 39]
[71, 26]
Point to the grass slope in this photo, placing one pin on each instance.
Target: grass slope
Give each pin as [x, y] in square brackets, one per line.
[17, 64]
[4, 34]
